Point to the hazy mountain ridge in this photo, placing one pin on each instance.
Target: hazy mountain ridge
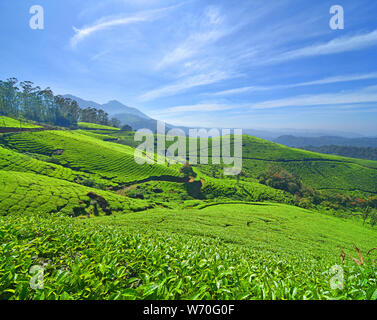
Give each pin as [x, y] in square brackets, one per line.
[298, 142]
[139, 120]
[367, 153]
[112, 107]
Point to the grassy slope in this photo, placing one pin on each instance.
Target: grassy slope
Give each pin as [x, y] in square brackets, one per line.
[284, 253]
[238, 251]
[321, 171]
[87, 125]
[31, 193]
[13, 161]
[325, 172]
[43, 145]
[278, 228]
[89, 154]
[6, 122]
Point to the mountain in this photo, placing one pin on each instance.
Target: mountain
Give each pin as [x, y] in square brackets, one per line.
[139, 120]
[127, 115]
[367, 153]
[298, 142]
[115, 107]
[273, 134]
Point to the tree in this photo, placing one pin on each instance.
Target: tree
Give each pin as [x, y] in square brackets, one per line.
[365, 213]
[188, 171]
[33, 103]
[115, 123]
[373, 218]
[126, 127]
[281, 179]
[241, 174]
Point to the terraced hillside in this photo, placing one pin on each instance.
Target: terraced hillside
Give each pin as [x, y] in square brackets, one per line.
[95, 126]
[45, 151]
[6, 122]
[181, 195]
[213, 237]
[323, 172]
[89, 154]
[14, 161]
[24, 193]
[328, 173]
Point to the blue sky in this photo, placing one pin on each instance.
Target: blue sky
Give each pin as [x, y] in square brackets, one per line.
[237, 64]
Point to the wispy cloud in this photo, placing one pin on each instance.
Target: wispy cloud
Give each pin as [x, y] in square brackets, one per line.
[338, 45]
[185, 84]
[329, 80]
[201, 107]
[210, 29]
[190, 47]
[366, 95]
[243, 90]
[110, 22]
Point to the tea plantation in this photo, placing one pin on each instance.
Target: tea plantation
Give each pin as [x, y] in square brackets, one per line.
[6, 122]
[103, 227]
[220, 252]
[86, 153]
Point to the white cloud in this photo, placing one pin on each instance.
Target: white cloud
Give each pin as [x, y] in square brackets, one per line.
[242, 90]
[190, 47]
[338, 45]
[185, 84]
[361, 96]
[329, 80]
[201, 107]
[210, 28]
[110, 22]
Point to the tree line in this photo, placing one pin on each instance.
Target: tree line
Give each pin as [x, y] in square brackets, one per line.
[23, 100]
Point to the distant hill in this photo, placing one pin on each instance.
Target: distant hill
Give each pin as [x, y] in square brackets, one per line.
[126, 115]
[112, 107]
[299, 142]
[272, 134]
[367, 153]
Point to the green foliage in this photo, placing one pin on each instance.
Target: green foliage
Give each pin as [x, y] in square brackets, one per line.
[323, 172]
[87, 125]
[30, 193]
[247, 191]
[212, 238]
[192, 257]
[14, 161]
[6, 122]
[367, 153]
[111, 161]
[188, 171]
[126, 128]
[23, 100]
[278, 178]
[373, 218]
[93, 184]
[366, 213]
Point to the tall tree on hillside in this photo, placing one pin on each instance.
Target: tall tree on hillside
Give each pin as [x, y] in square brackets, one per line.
[115, 122]
[9, 104]
[33, 103]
